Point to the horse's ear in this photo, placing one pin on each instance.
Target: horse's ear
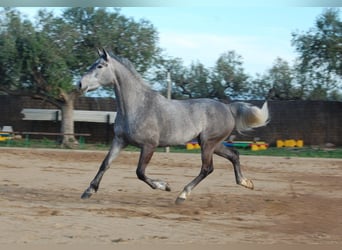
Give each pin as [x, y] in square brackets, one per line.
[99, 52]
[105, 54]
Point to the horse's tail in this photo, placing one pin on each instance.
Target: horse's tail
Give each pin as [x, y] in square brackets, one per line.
[248, 116]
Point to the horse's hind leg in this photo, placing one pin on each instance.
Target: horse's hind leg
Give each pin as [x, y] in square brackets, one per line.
[114, 151]
[233, 156]
[145, 157]
[206, 169]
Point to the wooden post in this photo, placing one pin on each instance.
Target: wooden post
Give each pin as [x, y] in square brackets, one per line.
[168, 79]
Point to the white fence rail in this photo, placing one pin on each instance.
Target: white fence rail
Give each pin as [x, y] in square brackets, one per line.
[79, 115]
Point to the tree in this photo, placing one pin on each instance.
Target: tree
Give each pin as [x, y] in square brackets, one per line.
[43, 60]
[320, 54]
[196, 83]
[278, 83]
[158, 77]
[34, 65]
[188, 82]
[261, 87]
[229, 78]
[103, 27]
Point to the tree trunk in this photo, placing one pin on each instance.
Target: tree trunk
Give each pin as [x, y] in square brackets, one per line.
[67, 126]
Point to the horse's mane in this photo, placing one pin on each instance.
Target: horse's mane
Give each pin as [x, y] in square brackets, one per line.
[127, 64]
[130, 67]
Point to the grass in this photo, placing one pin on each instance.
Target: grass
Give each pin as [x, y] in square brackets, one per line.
[272, 151]
[297, 152]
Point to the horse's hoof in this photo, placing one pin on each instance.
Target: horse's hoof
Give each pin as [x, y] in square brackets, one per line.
[87, 194]
[247, 183]
[182, 197]
[179, 201]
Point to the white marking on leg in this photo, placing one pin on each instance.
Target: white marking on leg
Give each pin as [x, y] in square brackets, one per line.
[247, 183]
[162, 185]
[183, 195]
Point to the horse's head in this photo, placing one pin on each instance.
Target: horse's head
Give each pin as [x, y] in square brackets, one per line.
[99, 74]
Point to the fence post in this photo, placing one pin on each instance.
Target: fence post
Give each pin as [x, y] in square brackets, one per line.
[56, 116]
[169, 88]
[82, 142]
[27, 140]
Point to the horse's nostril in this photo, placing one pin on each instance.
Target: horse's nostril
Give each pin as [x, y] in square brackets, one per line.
[80, 85]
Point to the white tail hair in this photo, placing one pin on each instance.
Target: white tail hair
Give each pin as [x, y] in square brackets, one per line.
[248, 116]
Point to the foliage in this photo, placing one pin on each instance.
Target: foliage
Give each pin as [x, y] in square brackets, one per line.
[227, 78]
[45, 57]
[196, 81]
[277, 83]
[26, 65]
[320, 56]
[103, 27]
[316, 75]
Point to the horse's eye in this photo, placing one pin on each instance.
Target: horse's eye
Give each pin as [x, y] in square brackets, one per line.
[100, 66]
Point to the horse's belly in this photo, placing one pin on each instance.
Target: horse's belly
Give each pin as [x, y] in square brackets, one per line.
[178, 136]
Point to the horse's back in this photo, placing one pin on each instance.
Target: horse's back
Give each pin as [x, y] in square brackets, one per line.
[174, 122]
[187, 119]
[207, 111]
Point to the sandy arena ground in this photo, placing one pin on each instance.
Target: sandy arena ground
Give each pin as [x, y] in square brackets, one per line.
[295, 200]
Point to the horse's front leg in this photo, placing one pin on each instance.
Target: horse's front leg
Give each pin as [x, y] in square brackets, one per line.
[114, 151]
[145, 157]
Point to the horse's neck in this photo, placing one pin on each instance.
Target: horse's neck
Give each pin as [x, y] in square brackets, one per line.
[130, 93]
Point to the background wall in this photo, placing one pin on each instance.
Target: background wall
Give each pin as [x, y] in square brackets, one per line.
[315, 122]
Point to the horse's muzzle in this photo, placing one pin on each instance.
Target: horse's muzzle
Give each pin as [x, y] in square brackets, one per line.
[79, 85]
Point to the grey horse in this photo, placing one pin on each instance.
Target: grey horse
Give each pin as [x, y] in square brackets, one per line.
[148, 120]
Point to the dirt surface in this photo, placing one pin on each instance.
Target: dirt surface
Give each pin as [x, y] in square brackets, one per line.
[296, 200]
